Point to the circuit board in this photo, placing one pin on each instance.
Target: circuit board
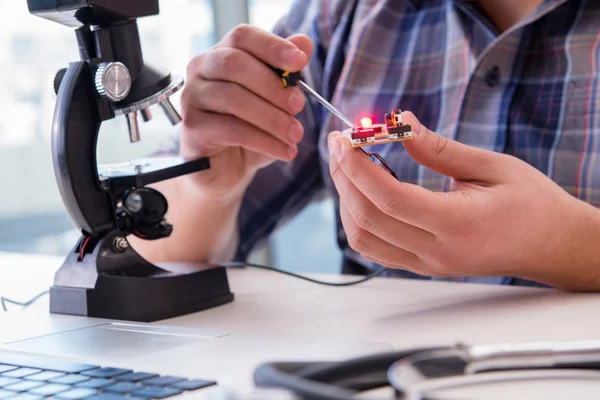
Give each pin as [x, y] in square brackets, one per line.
[394, 130]
[378, 134]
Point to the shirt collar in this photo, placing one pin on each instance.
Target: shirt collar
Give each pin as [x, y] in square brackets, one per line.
[543, 9]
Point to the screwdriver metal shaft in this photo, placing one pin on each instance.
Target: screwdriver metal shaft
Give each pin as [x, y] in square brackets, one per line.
[326, 104]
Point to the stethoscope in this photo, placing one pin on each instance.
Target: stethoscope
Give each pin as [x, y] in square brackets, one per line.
[416, 374]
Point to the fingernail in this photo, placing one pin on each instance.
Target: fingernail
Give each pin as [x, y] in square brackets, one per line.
[336, 148]
[294, 58]
[296, 101]
[416, 126]
[296, 132]
[292, 151]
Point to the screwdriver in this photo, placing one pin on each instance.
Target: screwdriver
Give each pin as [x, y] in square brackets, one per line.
[295, 79]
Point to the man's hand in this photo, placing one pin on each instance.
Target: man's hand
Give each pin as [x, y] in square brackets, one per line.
[237, 111]
[501, 218]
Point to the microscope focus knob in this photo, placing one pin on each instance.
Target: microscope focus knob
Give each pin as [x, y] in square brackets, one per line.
[58, 80]
[113, 81]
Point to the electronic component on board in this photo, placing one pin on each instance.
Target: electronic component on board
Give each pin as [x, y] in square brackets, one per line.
[393, 130]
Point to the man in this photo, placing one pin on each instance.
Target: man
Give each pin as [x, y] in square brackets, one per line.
[503, 192]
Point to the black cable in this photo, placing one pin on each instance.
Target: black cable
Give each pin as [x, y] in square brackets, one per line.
[265, 267]
[384, 164]
[4, 300]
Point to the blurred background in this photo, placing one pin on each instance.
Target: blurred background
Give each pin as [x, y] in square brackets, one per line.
[32, 216]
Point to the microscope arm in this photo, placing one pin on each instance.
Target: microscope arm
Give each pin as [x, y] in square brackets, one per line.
[91, 193]
[74, 137]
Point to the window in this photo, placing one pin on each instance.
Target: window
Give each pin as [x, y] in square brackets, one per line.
[32, 215]
[308, 242]
[266, 13]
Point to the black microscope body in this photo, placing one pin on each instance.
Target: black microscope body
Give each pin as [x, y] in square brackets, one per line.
[104, 276]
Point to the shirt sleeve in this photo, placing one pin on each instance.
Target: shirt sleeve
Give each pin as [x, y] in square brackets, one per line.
[281, 190]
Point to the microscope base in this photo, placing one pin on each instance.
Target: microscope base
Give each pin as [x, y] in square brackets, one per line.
[144, 299]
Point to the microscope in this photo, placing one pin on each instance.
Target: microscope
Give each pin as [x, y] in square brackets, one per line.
[103, 276]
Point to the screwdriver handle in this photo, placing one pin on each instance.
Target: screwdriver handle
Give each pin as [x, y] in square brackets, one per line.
[292, 79]
[288, 78]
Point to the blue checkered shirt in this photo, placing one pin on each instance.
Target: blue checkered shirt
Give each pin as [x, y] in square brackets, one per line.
[532, 92]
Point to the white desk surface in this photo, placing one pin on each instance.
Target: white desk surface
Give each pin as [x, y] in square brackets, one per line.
[399, 313]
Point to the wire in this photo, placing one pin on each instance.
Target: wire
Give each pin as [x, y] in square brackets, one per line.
[375, 156]
[265, 267]
[139, 234]
[83, 246]
[384, 164]
[4, 300]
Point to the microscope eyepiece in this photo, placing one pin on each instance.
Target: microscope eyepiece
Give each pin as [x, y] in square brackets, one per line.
[75, 13]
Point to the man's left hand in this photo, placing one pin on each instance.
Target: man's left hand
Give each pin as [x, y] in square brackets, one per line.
[502, 217]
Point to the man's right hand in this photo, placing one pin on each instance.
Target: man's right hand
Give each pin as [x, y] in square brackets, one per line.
[237, 111]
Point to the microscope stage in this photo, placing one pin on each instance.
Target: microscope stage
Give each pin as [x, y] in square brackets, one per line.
[146, 171]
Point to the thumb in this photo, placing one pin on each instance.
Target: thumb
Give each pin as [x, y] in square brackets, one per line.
[304, 43]
[449, 157]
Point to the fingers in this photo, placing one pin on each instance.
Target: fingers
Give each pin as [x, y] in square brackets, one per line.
[267, 47]
[373, 248]
[304, 43]
[232, 99]
[368, 217]
[237, 66]
[451, 158]
[234, 79]
[233, 132]
[405, 202]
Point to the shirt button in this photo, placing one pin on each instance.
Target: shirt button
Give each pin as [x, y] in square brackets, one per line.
[492, 77]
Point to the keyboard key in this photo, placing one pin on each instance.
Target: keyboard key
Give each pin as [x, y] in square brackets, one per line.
[111, 396]
[76, 394]
[123, 387]
[5, 394]
[45, 376]
[7, 381]
[23, 386]
[50, 389]
[157, 392]
[26, 396]
[163, 381]
[193, 384]
[135, 376]
[70, 379]
[43, 362]
[95, 383]
[106, 372]
[21, 372]
[4, 368]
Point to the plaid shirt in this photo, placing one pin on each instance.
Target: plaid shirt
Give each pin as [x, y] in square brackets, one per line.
[532, 92]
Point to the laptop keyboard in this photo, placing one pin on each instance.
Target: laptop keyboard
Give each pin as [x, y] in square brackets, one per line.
[28, 377]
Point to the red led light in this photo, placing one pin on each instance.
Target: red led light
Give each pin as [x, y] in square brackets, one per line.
[366, 122]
